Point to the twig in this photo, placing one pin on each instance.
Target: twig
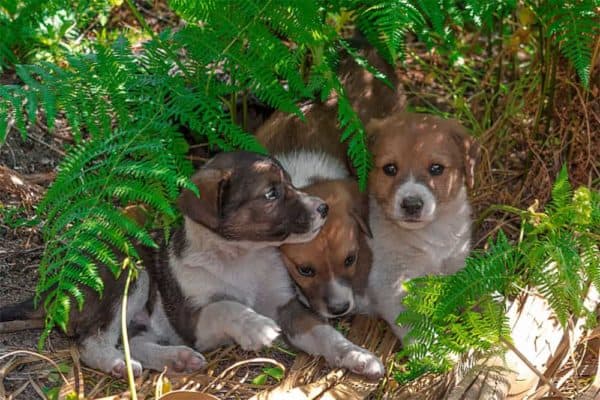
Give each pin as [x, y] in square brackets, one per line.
[37, 389]
[16, 326]
[33, 353]
[533, 368]
[51, 147]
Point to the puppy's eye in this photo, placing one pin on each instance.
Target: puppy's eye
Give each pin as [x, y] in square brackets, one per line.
[349, 260]
[436, 169]
[306, 270]
[390, 169]
[272, 194]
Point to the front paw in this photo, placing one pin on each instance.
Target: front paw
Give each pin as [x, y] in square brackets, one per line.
[257, 332]
[187, 360]
[119, 369]
[363, 362]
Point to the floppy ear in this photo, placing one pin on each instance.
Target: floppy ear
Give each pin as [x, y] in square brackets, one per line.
[363, 223]
[471, 151]
[207, 208]
[360, 212]
[372, 128]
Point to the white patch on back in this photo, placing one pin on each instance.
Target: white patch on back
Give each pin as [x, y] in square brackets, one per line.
[305, 165]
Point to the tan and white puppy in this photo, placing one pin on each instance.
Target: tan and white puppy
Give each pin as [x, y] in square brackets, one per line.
[222, 278]
[419, 211]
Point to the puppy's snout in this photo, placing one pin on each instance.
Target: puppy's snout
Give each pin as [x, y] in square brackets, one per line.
[338, 309]
[412, 205]
[323, 209]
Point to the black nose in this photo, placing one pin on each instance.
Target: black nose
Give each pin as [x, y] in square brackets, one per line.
[338, 309]
[323, 209]
[412, 205]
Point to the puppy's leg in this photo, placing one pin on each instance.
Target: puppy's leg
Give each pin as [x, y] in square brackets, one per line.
[146, 348]
[99, 351]
[221, 321]
[390, 314]
[314, 336]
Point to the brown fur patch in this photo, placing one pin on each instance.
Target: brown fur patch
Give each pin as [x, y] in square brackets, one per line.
[370, 98]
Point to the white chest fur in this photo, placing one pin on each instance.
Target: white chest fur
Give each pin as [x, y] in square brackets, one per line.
[216, 270]
[401, 254]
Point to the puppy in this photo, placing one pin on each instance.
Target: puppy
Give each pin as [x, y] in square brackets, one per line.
[222, 278]
[97, 328]
[332, 269]
[319, 131]
[419, 211]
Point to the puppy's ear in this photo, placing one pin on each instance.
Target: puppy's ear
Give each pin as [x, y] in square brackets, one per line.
[363, 223]
[373, 128]
[470, 148]
[360, 211]
[207, 208]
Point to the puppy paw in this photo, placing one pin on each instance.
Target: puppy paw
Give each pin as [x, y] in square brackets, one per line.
[258, 332]
[364, 363]
[119, 369]
[188, 360]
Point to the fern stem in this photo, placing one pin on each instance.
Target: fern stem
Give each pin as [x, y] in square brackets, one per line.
[130, 378]
[550, 90]
[245, 111]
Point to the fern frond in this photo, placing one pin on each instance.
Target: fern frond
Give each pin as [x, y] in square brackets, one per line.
[559, 256]
[575, 25]
[83, 228]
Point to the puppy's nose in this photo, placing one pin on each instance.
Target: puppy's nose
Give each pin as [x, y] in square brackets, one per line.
[412, 205]
[338, 309]
[323, 209]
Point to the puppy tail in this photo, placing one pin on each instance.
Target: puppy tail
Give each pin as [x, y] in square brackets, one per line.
[21, 311]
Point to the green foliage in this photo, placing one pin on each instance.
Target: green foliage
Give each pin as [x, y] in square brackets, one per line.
[558, 255]
[35, 30]
[572, 26]
[84, 229]
[274, 373]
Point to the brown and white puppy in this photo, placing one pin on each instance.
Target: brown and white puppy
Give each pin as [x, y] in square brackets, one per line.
[333, 268]
[419, 211]
[223, 280]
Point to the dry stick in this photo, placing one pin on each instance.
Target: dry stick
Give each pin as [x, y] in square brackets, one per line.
[33, 353]
[37, 389]
[533, 368]
[16, 326]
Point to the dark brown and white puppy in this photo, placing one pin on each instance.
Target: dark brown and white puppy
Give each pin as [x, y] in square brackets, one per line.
[97, 328]
[419, 211]
[223, 279]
